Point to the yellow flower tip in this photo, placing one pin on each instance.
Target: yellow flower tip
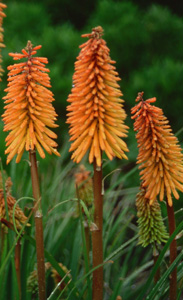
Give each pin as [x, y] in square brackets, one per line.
[151, 201]
[170, 203]
[95, 113]
[56, 152]
[124, 156]
[169, 200]
[28, 111]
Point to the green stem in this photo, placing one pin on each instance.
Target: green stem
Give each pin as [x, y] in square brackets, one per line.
[2, 239]
[38, 226]
[97, 242]
[86, 257]
[173, 252]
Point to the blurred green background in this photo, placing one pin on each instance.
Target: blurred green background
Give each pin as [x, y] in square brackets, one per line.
[145, 39]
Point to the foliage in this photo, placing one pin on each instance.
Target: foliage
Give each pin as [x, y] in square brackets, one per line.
[125, 275]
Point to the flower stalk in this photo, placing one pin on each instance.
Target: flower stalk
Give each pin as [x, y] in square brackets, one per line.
[18, 264]
[38, 226]
[173, 252]
[155, 258]
[97, 241]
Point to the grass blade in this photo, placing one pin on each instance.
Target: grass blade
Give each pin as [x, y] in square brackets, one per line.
[160, 258]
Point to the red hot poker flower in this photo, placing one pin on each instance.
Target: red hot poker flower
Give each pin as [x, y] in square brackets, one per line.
[160, 156]
[29, 111]
[96, 115]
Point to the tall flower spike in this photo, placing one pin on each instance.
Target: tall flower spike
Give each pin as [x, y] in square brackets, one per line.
[2, 15]
[150, 222]
[96, 115]
[160, 156]
[29, 111]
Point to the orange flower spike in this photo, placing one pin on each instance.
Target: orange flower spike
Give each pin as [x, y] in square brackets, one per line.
[160, 156]
[95, 113]
[28, 109]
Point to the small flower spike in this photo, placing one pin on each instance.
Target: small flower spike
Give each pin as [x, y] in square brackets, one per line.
[19, 216]
[95, 114]
[28, 110]
[57, 278]
[85, 185]
[160, 156]
[2, 15]
[32, 281]
[150, 221]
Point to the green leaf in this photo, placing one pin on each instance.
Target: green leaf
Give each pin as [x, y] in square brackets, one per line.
[159, 261]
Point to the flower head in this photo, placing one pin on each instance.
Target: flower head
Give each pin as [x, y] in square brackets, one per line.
[160, 156]
[28, 110]
[85, 185]
[32, 284]
[150, 221]
[57, 278]
[2, 15]
[96, 115]
[32, 281]
[18, 215]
